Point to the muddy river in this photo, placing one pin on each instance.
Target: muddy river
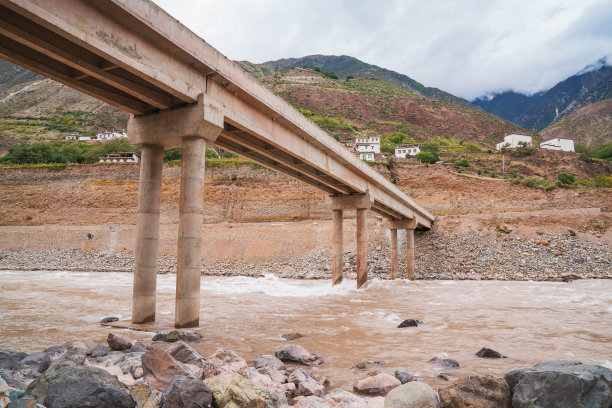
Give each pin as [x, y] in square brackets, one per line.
[530, 322]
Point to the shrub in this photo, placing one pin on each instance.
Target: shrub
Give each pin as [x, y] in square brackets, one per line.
[427, 157]
[603, 181]
[432, 147]
[585, 158]
[566, 178]
[463, 163]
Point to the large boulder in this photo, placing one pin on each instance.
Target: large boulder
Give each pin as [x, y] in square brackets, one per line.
[414, 394]
[37, 361]
[476, 391]
[300, 374]
[270, 362]
[185, 392]
[117, 343]
[84, 392]
[159, 368]
[225, 361]
[298, 354]
[405, 375]
[561, 384]
[444, 362]
[99, 350]
[310, 387]
[8, 358]
[184, 353]
[231, 390]
[379, 384]
[338, 398]
[41, 386]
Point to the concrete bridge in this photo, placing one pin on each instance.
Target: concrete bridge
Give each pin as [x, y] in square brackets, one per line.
[181, 92]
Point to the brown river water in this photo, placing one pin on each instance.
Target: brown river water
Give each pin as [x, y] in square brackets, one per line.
[530, 322]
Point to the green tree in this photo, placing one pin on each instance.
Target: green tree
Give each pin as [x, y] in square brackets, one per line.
[173, 154]
[432, 147]
[427, 156]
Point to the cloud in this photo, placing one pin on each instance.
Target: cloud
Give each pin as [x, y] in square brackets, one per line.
[467, 48]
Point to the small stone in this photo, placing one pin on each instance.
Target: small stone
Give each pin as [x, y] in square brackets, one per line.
[409, 323]
[100, 350]
[110, 319]
[445, 362]
[404, 375]
[297, 353]
[488, 353]
[159, 337]
[172, 337]
[187, 392]
[117, 343]
[379, 384]
[292, 336]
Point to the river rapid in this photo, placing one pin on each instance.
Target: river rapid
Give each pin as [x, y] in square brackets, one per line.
[530, 322]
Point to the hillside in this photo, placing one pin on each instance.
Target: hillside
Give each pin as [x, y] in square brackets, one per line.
[590, 125]
[344, 66]
[358, 106]
[536, 112]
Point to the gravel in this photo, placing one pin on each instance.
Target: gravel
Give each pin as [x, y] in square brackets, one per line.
[473, 256]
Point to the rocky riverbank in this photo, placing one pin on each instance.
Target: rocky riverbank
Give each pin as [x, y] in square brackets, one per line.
[476, 255]
[167, 372]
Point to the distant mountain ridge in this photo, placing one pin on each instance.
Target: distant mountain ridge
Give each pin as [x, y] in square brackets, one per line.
[344, 65]
[536, 112]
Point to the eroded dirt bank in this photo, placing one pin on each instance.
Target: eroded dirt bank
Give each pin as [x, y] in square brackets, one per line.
[261, 222]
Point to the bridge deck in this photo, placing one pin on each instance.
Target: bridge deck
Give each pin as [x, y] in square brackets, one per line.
[135, 56]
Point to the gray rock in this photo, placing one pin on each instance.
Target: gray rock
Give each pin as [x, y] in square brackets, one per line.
[41, 386]
[269, 361]
[185, 354]
[84, 392]
[404, 375]
[39, 361]
[310, 387]
[225, 361]
[109, 319]
[130, 363]
[297, 353]
[300, 374]
[172, 336]
[445, 362]
[186, 392]
[100, 350]
[414, 394]
[8, 359]
[561, 384]
[19, 379]
[117, 343]
[138, 349]
[488, 353]
[292, 336]
[379, 384]
[410, 323]
[76, 355]
[159, 337]
[55, 352]
[24, 402]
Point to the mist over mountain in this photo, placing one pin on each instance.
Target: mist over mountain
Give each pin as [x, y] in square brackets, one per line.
[536, 112]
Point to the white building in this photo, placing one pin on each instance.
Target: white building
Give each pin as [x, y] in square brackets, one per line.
[402, 150]
[565, 145]
[121, 157]
[367, 156]
[108, 135]
[85, 138]
[367, 144]
[515, 140]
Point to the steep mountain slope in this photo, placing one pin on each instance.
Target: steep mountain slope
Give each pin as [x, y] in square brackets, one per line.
[590, 125]
[343, 66]
[12, 75]
[359, 106]
[592, 84]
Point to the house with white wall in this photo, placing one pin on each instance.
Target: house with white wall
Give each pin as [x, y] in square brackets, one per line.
[515, 140]
[367, 156]
[111, 134]
[121, 157]
[370, 144]
[403, 150]
[564, 145]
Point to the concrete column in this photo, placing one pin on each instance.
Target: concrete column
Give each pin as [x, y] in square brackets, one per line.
[338, 252]
[410, 253]
[187, 311]
[147, 241]
[393, 253]
[362, 246]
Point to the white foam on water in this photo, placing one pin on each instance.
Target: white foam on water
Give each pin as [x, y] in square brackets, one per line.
[273, 286]
[450, 282]
[607, 364]
[392, 318]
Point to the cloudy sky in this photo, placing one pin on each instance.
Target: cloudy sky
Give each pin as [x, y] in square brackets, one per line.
[466, 47]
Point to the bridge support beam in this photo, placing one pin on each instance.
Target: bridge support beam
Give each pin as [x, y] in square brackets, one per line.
[147, 241]
[361, 203]
[393, 233]
[409, 226]
[190, 128]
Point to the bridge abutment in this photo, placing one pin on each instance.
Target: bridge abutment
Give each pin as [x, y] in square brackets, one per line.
[361, 203]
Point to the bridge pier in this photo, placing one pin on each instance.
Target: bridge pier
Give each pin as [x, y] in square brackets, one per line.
[147, 241]
[409, 226]
[361, 203]
[190, 128]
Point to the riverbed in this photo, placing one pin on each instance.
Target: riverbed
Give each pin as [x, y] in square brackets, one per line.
[529, 322]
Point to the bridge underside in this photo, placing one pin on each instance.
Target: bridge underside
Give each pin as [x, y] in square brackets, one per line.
[181, 92]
